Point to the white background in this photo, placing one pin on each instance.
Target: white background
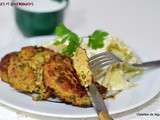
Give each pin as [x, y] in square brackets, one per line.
[132, 20]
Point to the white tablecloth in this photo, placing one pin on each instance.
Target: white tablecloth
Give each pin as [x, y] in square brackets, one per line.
[124, 18]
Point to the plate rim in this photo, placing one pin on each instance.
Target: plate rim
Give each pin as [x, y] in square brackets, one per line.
[73, 116]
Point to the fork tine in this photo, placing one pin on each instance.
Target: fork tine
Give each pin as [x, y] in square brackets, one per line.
[99, 55]
[106, 54]
[102, 64]
[101, 58]
[100, 61]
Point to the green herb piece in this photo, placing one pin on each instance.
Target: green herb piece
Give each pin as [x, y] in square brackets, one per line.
[96, 40]
[65, 35]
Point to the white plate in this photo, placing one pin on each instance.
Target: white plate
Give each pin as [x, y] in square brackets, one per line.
[147, 88]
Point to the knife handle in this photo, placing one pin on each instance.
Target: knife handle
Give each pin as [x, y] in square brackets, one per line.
[104, 116]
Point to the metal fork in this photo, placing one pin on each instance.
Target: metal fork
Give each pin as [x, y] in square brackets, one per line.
[104, 59]
[96, 98]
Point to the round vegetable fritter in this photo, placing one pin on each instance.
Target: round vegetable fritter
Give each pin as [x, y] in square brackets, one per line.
[60, 76]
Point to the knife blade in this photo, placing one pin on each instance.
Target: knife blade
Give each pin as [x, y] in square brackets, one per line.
[98, 103]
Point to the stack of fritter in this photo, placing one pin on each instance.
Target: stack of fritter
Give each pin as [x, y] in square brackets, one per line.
[45, 72]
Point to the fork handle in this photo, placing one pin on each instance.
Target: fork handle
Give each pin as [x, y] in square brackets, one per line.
[151, 64]
[104, 116]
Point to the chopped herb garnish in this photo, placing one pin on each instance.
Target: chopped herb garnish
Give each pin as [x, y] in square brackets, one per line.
[96, 40]
[65, 35]
[73, 41]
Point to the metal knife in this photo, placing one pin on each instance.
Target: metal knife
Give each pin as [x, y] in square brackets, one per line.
[98, 103]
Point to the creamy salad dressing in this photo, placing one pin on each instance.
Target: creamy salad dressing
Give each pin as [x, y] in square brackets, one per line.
[43, 5]
[91, 52]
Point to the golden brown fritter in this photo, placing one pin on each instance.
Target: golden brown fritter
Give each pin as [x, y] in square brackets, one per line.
[60, 75]
[24, 70]
[5, 61]
[82, 67]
